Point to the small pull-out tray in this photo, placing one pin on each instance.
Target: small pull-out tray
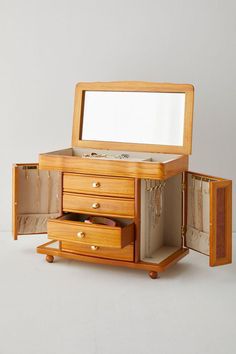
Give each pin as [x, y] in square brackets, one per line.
[89, 204]
[157, 166]
[105, 186]
[72, 228]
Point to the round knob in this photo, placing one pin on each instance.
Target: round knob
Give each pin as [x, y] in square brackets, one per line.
[94, 248]
[96, 205]
[96, 184]
[81, 234]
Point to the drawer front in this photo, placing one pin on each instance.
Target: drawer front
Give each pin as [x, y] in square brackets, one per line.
[87, 184]
[123, 254]
[90, 234]
[98, 205]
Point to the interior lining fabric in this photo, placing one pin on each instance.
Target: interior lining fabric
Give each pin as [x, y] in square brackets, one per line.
[39, 199]
[198, 215]
[133, 156]
[33, 223]
[165, 234]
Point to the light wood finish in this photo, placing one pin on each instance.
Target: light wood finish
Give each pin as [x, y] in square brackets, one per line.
[76, 164]
[225, 246]
[14, 202]
[92, 184]
[49, 258]
[90, 234]
[207, 177]
[81, 203]
[15, 192]
[130, 86]
[221, 230]
[137, 219]
[30, 202]
[117, 193]
[185, 208]
[73, 254]
[167, 262]
[153, 275]
[123, 254]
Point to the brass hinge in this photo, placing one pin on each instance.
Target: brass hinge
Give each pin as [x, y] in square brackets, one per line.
[183, 230]
[183, 186]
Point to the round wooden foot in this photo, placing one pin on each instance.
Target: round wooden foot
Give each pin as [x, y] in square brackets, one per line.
[153, 275]
[49, 258]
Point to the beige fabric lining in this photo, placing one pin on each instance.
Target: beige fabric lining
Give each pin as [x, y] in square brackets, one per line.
[166, 238]
[197, 240]
[33, 223]
[39, 198]
[138, 156]
[198, 215]
[160, 254]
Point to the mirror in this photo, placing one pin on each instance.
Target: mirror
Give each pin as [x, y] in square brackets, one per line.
[134, 117]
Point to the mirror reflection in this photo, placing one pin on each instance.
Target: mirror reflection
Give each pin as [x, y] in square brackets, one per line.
[134, 117]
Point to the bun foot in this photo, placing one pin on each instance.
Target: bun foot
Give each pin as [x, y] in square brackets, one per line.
[153, 275]
[49, 258]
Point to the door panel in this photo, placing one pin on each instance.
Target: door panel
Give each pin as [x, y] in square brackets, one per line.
[36, 198]
[208, 217]
[221, 223]
[14, 202]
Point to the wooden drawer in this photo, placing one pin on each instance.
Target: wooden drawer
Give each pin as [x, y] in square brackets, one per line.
[123, 254]
[95, 205]
[67, 228]
[87, 184]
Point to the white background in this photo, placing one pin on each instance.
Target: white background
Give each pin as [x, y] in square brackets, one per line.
[48, 46]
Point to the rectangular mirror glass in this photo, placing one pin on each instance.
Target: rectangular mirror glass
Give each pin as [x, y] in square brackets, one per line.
[134, 117]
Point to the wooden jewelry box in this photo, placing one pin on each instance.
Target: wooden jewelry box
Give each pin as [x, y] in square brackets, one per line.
[122, 195]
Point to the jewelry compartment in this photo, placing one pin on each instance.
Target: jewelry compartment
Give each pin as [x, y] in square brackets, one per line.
[92, 184]
[97, 205]
[36, 198]
[76, 228]
[120, 254]
[135, 164]
[161, 218]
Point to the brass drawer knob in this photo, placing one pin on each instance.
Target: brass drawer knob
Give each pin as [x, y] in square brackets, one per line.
[96, 205]
[96, 184]
[94, 248]
[81, 234]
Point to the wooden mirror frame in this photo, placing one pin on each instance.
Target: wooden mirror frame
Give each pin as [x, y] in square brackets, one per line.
[130, 86]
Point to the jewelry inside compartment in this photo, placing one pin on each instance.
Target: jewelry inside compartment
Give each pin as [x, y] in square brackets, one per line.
[114, 156]
[198, 223]
[154, 204]
[161, 218]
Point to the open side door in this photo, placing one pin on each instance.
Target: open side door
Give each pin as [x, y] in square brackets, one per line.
[208, 217]
[36, 197]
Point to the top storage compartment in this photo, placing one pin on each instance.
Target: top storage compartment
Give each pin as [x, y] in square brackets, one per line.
[132, 129]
